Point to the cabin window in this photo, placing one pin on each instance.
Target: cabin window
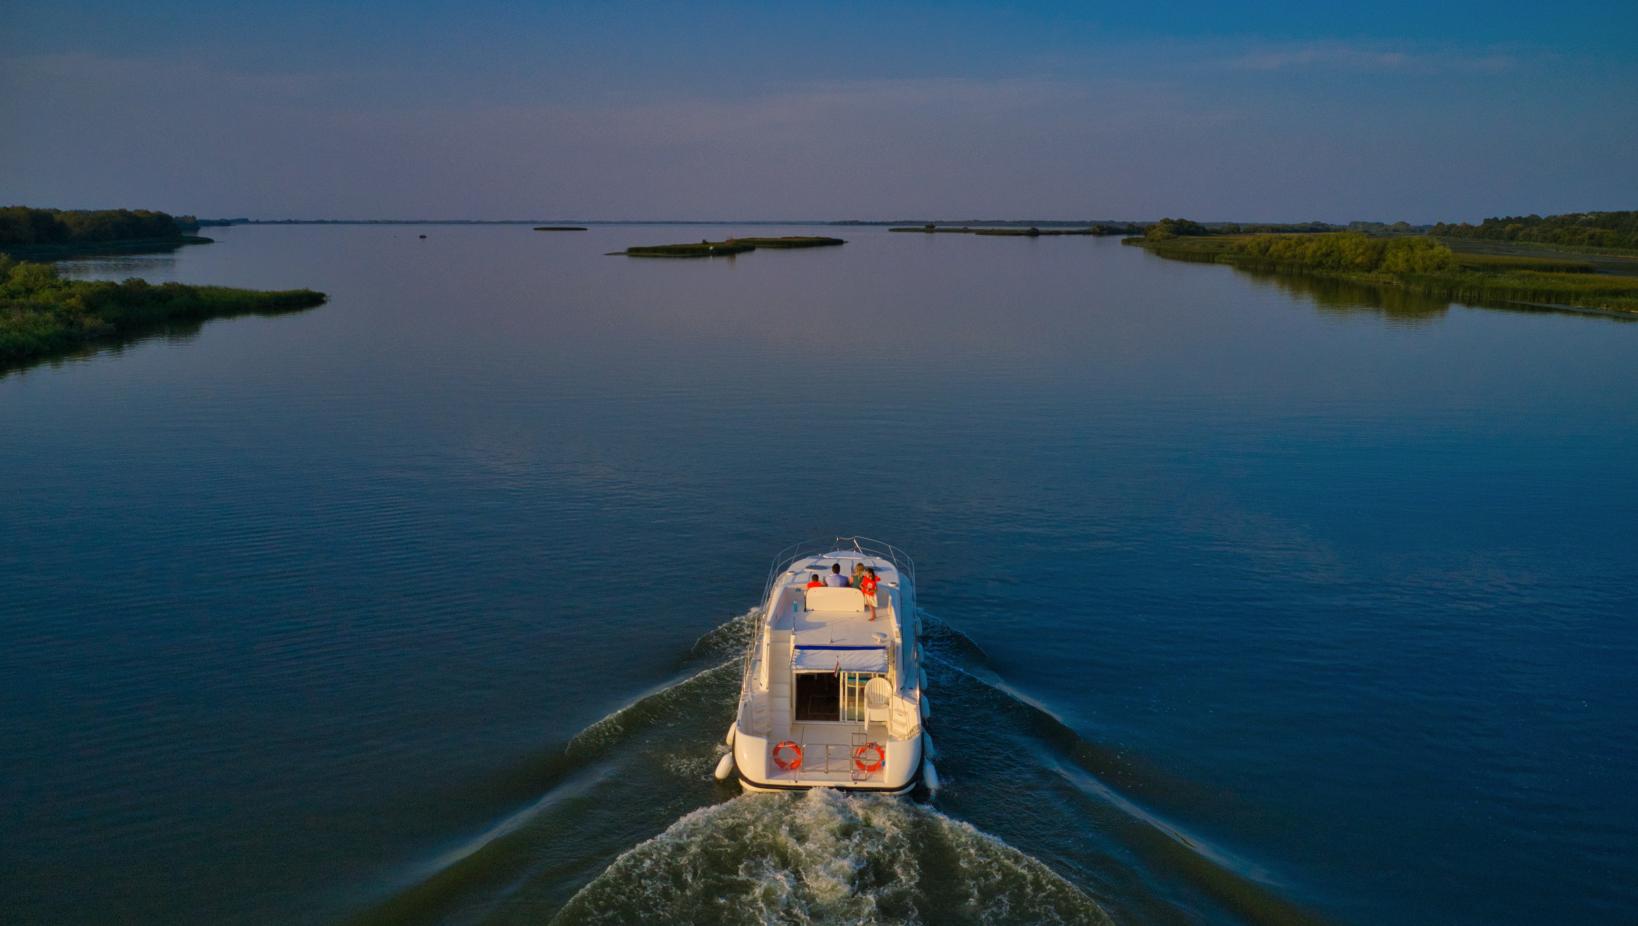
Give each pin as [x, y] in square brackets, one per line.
[827, 697]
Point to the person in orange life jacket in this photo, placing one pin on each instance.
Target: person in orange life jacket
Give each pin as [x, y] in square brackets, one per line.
[813, 581]
[867, 585]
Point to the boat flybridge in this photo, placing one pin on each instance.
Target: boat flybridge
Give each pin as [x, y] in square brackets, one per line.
[832, 698]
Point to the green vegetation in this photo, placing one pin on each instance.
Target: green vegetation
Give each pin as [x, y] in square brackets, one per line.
[1576, 229]
[23, 226]
[44, 315]
[1175, 228]
[1345, 252]
[1419, 264]
[560, 228]
[1031, 232]
[730, 246]
[1020, 232]
[27, 232]
[703, 249]
[790, 241]
[1184, 228]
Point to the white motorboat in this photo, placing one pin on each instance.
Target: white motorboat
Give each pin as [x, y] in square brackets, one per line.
[830, 697]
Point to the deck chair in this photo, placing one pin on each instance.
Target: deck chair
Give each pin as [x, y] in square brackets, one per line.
[878, 697]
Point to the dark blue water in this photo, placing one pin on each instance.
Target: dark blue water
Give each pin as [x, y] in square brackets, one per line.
[1252, 599]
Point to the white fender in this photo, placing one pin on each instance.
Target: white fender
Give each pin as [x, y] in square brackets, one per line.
[929, 775]
[926, 707]
[725, 767]
[927, 746]
[733, 728]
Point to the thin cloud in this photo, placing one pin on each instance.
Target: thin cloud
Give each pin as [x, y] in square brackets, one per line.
[1340, 56]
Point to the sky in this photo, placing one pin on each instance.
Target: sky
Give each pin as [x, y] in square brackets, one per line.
[1382, 111]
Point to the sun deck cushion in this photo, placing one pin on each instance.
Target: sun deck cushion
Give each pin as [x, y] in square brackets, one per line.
[840, 658]
[835, 599]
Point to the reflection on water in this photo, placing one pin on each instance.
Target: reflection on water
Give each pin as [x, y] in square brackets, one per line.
[151, 267]
[1396, 304]
[1342, 297]
[318, 614]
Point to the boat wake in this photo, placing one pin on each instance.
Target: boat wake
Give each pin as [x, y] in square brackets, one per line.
[625, 823]
[825, 857]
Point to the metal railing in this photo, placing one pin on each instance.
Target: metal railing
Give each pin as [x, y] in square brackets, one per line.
[806, 548]
[837, 758]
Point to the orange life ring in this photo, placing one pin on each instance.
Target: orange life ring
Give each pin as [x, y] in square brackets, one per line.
[869, 768]
[794, 762]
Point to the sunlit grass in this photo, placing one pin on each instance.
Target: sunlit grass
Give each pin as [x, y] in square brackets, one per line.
[1416, 263]
[43, 315]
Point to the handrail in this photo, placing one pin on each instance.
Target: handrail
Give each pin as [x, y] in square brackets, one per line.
[802, 549]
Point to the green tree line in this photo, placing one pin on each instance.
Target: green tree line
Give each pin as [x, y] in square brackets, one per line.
[22, 225]
[1575, 229]
[1185, 228]
[1349, 252]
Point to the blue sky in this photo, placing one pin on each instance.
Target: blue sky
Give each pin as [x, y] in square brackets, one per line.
[607, 110]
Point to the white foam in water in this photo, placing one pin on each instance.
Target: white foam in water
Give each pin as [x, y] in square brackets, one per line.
[613, 725]
[825, 857]
[730, 637]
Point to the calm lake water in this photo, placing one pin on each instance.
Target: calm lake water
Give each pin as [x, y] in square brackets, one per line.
[1251, 600]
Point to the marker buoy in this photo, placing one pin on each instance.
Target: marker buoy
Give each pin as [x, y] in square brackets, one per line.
[725, 767]
[929, 775]
[732, 729]
[926, 707]
[927, 746]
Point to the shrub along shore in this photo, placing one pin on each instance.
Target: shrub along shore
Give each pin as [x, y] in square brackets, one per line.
[43, 315]
[1417, 263]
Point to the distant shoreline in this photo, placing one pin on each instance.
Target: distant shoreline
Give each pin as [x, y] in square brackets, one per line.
[991, 223]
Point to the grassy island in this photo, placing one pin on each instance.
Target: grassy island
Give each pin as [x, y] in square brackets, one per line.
[1032, 232]
[701, 249]
[1016, 232]
[729, 247]
[790, 241]
[560, 228]
[43, 315]
[1416, 263]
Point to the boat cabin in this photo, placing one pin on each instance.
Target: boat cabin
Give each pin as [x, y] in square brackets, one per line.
[821, 674]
